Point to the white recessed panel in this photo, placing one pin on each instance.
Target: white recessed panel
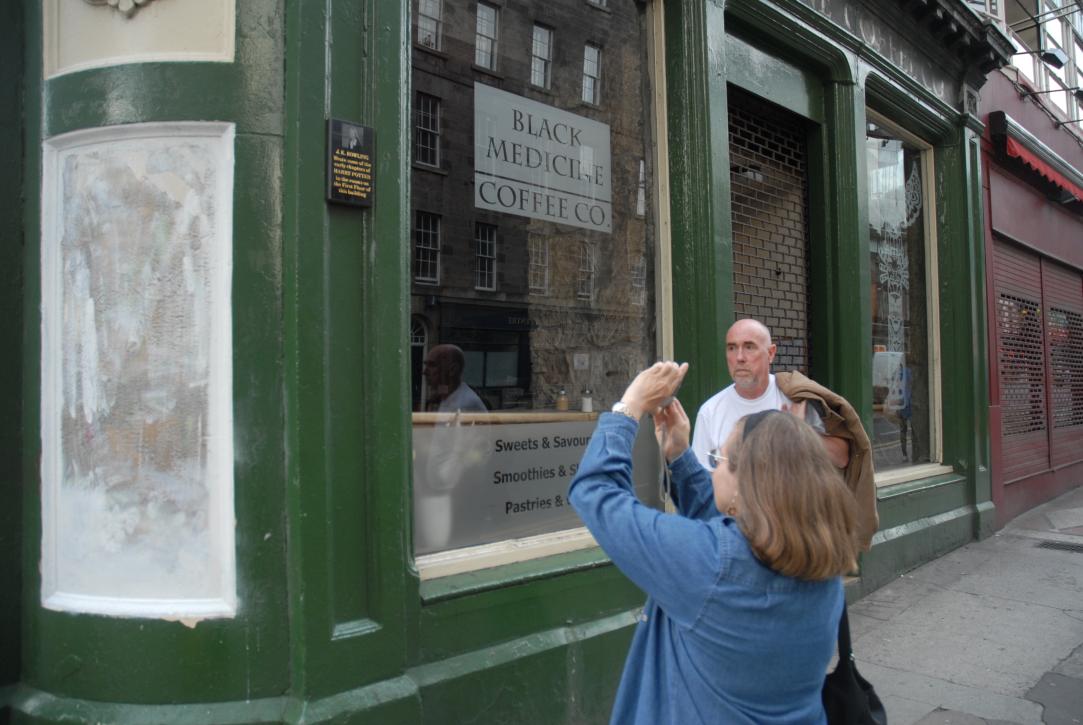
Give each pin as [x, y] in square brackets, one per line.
[136, 364]
[81, 35]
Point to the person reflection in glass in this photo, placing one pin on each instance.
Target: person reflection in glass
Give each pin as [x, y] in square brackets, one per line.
[458, 450]
[443, 368]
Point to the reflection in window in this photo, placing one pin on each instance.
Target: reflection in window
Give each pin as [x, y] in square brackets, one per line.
[485, 256]
[541, 56]
[533, 263]
[901, 378]
[427, 248]
[430, 23]
[427, 130]
[585, 289]
[592, 71]
[485, 40]
[539, 265]
[641, 190]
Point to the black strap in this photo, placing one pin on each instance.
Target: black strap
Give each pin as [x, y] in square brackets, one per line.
[845, 648]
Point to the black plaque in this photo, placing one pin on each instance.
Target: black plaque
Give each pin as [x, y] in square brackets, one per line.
[350, 173]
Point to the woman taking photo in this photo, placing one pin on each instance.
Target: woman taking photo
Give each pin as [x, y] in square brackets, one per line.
[744, 582]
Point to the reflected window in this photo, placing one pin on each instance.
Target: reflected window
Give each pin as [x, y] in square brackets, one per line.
[585, 289]
[541, 56]
[485, 256]
[533, 266]
[903, 335]
[539, 265]
[485, 36]
[430, 24]
[427, 130]
[592, 72]
[427, 248]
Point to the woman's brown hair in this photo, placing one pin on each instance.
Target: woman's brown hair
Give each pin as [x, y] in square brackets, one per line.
[795, 510]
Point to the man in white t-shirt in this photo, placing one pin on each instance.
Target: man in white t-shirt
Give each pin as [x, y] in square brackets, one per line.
[749, 353]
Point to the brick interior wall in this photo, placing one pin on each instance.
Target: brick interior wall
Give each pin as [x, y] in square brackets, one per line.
[770, 232]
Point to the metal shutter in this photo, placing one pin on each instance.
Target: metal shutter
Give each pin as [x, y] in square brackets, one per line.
[768, 180]
[1021, 361]
[1063, 297]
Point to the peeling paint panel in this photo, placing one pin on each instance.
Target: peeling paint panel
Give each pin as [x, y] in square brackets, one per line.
[137, 431]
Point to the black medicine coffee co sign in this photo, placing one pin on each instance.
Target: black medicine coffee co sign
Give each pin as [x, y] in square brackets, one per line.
[350, 159]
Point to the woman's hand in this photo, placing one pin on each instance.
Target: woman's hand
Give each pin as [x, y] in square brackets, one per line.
[672, 428]
[653, 387]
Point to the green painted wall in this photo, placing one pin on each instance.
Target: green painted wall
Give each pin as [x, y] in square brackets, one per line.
[152, 661]
[335, 625]
[12, 249]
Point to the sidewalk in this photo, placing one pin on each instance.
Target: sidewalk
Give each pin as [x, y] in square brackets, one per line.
[990, 633]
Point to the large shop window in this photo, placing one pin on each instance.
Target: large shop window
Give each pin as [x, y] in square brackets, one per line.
[904, 312]
[532, 293]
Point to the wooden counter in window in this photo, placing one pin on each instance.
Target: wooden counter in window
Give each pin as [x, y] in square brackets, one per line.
[505, 417]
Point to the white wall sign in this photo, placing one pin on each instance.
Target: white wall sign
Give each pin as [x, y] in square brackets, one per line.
[136, 366]
[537, 161]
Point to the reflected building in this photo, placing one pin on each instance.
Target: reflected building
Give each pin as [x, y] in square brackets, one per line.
[544, 282]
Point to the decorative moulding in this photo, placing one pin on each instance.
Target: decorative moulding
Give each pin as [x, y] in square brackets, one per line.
[127, 7]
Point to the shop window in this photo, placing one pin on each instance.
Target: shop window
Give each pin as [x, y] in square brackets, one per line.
[485, 36]
[484, 256]
[905, 429]
[541, 56]
[427, 130]
[427, 248]
[592, 73]
[534, 264]
[430, 24]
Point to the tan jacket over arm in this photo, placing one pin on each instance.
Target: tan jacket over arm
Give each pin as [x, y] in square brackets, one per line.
[843, 421]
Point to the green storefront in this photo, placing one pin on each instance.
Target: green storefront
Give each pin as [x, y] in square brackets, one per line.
[226, 494]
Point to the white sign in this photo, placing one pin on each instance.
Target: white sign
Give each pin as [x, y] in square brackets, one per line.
[537, 161]
[479, 483]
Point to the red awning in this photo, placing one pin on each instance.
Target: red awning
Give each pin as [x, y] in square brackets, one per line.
[1019, 151]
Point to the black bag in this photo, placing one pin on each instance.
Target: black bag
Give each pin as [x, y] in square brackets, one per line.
[848, 697]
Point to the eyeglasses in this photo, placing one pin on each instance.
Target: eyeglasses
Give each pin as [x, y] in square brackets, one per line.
[714, 458]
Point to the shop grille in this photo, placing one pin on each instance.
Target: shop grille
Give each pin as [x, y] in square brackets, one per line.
[1022, 378]
[769, 196]
[1066, 359]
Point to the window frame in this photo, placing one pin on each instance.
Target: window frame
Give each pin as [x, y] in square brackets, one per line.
[437, 21]
[543, 245]
[437, 233]
[435, 132]
[481, 260]
[936, 465]
[547, 60]
[587, 271]
[596, 79]
[494, 40]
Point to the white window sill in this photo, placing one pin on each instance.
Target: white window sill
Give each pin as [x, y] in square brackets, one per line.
[486, 556]
[911, 473]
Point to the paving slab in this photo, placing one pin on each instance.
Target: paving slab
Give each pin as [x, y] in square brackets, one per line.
[1061, 698]
[1066, 518]
[1001, 646]
[1038, 576]
[949, 569]
[951, 717]
[933, 692]
[1072, 665]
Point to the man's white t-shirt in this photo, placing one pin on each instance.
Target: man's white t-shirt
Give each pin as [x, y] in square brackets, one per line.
[717, 416]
